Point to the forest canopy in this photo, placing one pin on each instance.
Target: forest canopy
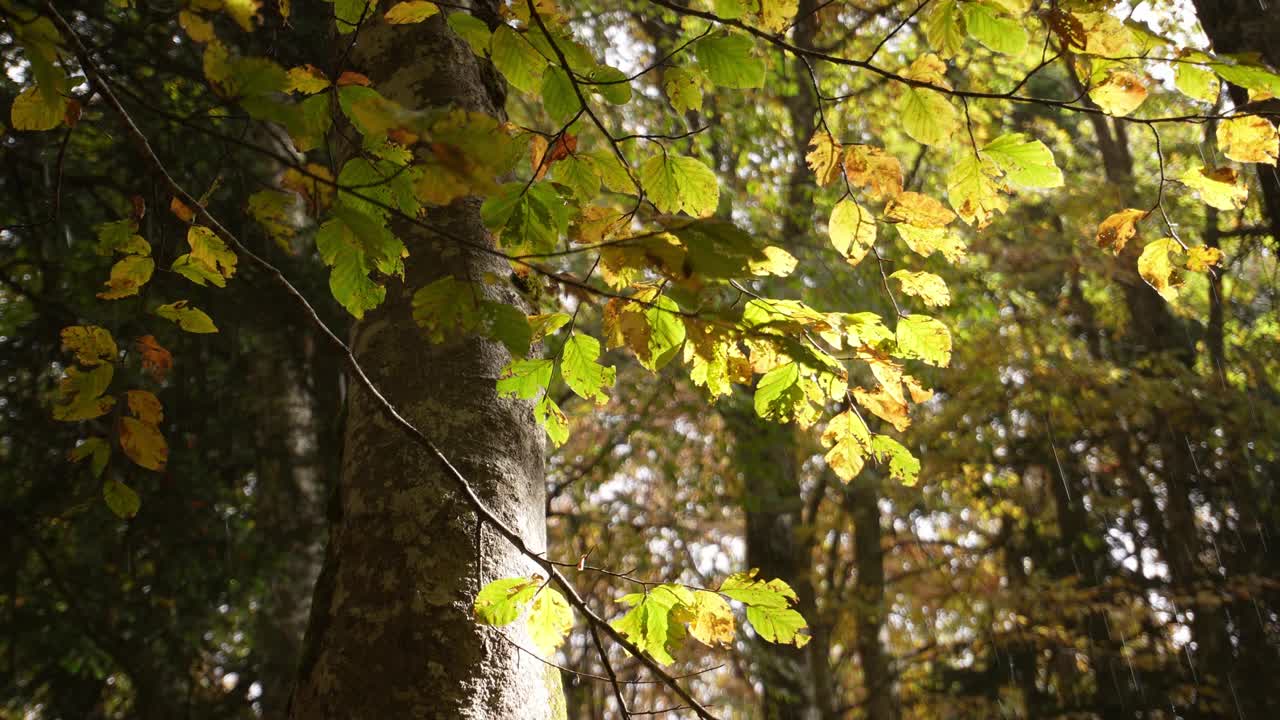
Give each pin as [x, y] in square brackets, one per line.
[545, 359]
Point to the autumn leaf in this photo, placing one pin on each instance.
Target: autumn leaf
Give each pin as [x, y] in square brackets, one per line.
[140, 435]
[80, 393]
[97, 450]
[849, 443]
[128, 276]
[1157, 266]
[918, 210]
[1219, 188]
[187, 316]
[92, 345]
[413, 11]
[1250, 139]
[824, 158]
[1115, 231]
[852, 230]
[156, 360]
[210, 261]
[930, 288]
[1120, 93]
[712, 619]
[874, 169]
[1202, 257]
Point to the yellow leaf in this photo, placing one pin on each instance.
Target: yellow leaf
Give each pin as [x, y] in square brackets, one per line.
[209, 260]
[1115, 231]
[712, 621]
[1120, 94]
[1157, 266]
[929, 68]
[927, 241]
[873, 168]
[198, 28]
[974, 192]
[37, 110]
[1250, 139]
[413, 11]
[852, 230]
[1218, 187]
[550, 620]
[127, 277]
[188, 317]
[145, 406]
[80, 393]
[849, 441]
[1202, 257]
[307, 79]
[884, 406]
[92, 345]
[930, 288]
[919, 210]
[244, 12]
[143, 443]
[824, 158]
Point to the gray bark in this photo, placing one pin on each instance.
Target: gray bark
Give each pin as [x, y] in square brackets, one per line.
[392, 634]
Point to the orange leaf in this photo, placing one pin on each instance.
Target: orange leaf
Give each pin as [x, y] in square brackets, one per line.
[156, 360]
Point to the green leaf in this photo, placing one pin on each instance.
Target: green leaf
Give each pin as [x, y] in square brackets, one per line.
[750, 590]
[1026, 162]
[675, 183]
[552, 419]
[924, 338]
[531, 219]
[649, 623]
[80, 393]
[903, 466]
[550, 620]
[1196, 81]
[187, 316]
[997, 31]
[348, 14]
[447, 309]
[728, 61]
[779, 393]
[471, 29]
[541, 326]
[506, 324]
[349, 280]
[517, 59]
[928, 116]
[501, 601]
[684, 87]
[587, 378]
[525, 379]
[611, 84]
[121, 499]
[778, 625]
[121, 237]
[96, 448]
[558, 96]
[943, 29]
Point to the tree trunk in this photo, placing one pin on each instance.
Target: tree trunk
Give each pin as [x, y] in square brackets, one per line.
[391, 632]
[871, 612]
[780, 546]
